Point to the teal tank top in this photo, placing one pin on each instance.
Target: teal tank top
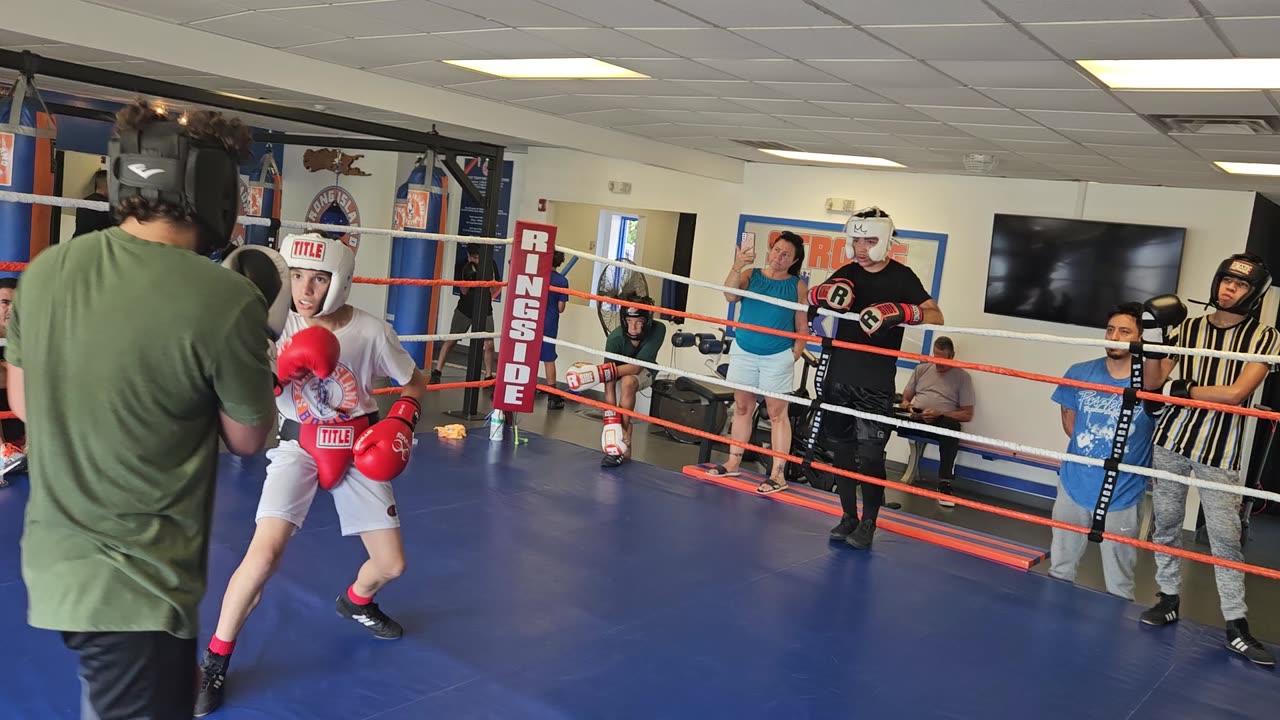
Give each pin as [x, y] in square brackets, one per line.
[758, 312]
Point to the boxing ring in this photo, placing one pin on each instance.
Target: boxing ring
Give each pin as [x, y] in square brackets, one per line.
[540, 585]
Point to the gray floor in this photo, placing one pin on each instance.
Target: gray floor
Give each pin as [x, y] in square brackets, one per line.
[653, 446]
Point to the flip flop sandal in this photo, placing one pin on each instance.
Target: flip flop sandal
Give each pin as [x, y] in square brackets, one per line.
[722, 471]
[771, 486]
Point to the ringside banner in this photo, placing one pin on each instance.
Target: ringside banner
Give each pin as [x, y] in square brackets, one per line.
[521, 346]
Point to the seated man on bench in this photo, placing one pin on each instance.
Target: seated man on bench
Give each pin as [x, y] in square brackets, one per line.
[943, 396]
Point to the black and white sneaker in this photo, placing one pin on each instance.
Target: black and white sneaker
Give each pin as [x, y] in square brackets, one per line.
[1164, 612]
[371, 617]
[213, 678]
[862, 535]
[1239, 640]
[842, 531]
[944, 487]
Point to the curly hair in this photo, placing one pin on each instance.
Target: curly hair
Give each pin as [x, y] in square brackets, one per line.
[203, 126]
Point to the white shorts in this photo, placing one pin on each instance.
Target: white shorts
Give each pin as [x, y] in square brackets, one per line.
[773, 373]
[363, 504]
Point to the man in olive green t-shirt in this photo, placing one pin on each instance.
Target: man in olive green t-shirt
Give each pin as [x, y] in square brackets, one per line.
[130, 353]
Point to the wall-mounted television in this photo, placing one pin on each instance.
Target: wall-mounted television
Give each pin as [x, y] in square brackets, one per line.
[1074, 271]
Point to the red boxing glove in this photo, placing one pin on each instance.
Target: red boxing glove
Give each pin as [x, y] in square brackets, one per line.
[329, 444]
[834, 295]
[312, 350]
[382, 451]
[889, 315]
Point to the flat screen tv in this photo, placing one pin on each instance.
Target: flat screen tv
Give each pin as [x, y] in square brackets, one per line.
[1074, 271]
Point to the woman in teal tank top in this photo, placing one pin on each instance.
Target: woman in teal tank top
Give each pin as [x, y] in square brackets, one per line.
[762, 360]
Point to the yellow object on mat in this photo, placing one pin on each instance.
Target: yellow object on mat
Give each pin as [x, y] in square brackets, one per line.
[451, 432]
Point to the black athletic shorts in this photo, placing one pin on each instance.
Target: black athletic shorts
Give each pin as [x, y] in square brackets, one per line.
[135, 675]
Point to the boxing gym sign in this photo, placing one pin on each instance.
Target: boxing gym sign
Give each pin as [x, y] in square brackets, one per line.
[521, 345]
[335, 206]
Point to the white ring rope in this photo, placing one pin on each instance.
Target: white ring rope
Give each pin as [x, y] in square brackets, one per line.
[933, 429]
[985, 332]
[446, 338]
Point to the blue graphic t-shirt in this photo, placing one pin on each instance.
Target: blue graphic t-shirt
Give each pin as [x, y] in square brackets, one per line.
[1095, 428]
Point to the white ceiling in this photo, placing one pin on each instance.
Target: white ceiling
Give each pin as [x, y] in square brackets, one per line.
[922, 82]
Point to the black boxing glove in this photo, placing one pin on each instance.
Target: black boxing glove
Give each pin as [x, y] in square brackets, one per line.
[1158, 315]
[1182, 388]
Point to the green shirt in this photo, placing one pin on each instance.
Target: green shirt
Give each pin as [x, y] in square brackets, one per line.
[129, 349]
[647, 350]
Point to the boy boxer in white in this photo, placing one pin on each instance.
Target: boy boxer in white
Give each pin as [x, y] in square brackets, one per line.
[328, 440]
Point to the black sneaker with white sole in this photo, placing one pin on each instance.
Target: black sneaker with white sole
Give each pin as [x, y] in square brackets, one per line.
[213, 679]
[371, 617]
[1163, 612]
[944, 487]
[1239, 640]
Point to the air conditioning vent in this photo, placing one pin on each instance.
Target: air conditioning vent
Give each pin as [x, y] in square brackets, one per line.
[767, 145]
[1219, 125]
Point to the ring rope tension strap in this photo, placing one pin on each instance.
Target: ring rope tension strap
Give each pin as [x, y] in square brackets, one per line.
[1124, 425]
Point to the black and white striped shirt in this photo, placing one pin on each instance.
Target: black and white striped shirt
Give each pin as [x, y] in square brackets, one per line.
[1205, 436]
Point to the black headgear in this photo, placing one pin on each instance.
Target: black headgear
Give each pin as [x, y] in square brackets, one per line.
[1248, 269]
[634, 312]
[160, 162]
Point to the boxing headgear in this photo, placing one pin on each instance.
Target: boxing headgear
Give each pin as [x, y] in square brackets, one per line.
[872, 222]
[633, 312]
[313, 251]
[160, 162]
[1249, 270]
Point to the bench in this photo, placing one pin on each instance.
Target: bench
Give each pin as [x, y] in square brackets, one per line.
[979, 544]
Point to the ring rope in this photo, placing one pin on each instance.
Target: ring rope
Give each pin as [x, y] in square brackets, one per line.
[933, 429]
[922, 492]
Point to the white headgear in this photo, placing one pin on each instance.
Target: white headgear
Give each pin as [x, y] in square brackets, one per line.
[872, 222]
[313, 251]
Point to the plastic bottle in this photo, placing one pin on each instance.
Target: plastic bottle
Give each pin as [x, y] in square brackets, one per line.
[496, 424]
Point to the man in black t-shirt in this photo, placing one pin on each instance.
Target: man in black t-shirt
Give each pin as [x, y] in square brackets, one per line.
[88, 221]
[462, 321]
[886, 295]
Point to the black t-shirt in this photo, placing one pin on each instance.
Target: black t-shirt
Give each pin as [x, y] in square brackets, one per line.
[895, 283]
[468, 271]
[88, 221]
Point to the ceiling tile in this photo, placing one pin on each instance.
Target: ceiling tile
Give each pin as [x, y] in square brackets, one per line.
[1159, 102]
[1038, 146]
[674, 69]
[912, 157]
[1121, 122]
[727, 89]
[756, 13]
[504, 42]
[1252, 37]
[898, 12]
[954, 97]
[352, 23]
[828, 123]
[1119, 151]
[1135, 40]
[515, 89]
[267, 30]
[1149, 139]
[519, 13]
[378, 52]
[784, 107]
[914, 127]
[1059, 10]
[963, 42]
[703, 43]
[742, 119]
[1230, 142]
[431, 72]
[677, 117]
[1082, 100]
[970, 144]
[179, 11]
[838, 43]
[1049, 74]
[412, 15]
[787, 134]
[615, 116]
[1240, 155]
[691, 103]
[777, 70]
[983, 116]
[833, 91]
[872, 111]
[565, 104]
[631, 87]
[1084, 159]
[655, 130]
[1159, 165]
[599, 42]
[870, 140]
[1240, 8]
[629, 14]
[1011, 132]
[885, 73]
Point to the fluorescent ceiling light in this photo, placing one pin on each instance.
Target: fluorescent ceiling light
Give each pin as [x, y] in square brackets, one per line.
[558, 68]
[829, 158]
[1224, 74]
[1244, 168]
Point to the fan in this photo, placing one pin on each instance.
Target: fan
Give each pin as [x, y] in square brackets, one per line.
[616, 282]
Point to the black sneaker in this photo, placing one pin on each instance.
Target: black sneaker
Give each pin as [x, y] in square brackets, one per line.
[213, 676]
[1164, 612]
[944, 487]
[841, 532]
[611, 461]
[436, 375]
[555, 402]
[862, 535]
[1239, 640]
[370, 616]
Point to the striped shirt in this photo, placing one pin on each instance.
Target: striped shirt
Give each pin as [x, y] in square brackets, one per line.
[1206, 436]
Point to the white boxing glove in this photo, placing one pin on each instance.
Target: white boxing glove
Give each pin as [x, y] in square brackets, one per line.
[612, 441]
[584, 376]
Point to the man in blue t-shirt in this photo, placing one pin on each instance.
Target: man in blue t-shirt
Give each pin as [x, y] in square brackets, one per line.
[1089, 418]
[551, 326]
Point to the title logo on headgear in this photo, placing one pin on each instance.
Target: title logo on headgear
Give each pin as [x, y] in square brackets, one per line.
[1242, 267]
[335, 206]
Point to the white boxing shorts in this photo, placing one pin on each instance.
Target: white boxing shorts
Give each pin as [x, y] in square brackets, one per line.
[363, 505]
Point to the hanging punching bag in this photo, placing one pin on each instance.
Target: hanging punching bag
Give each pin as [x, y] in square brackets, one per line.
[413, 309]
[26, 166]
[263, 197]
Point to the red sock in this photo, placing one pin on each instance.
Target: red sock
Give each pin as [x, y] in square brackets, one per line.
[221, 647]
[357, 599]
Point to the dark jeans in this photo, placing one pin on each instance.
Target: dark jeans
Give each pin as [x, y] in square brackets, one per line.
[135, 675]
[948, 447]
[858, 444]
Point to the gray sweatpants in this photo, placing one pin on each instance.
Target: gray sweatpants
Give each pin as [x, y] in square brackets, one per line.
[1222, 521]
[1068, 547]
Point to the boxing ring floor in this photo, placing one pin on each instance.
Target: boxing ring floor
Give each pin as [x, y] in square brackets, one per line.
[541, 586]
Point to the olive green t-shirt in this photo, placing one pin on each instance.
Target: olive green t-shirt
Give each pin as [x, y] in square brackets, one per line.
[128, 350]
